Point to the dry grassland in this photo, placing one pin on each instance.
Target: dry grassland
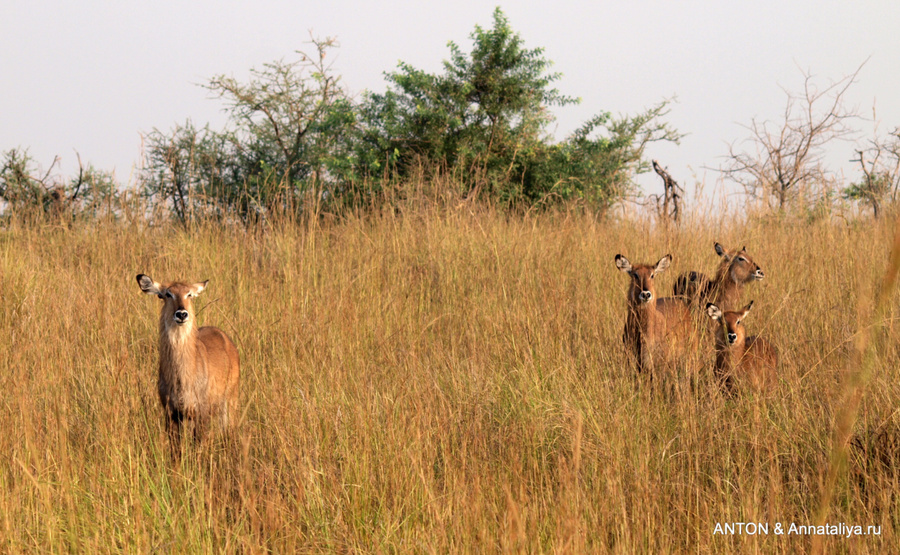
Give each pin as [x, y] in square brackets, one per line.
[449, 380]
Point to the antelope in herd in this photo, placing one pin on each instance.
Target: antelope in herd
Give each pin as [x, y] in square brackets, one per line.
[746, 360]
[656, 330]
[736, 269]
[199, 368]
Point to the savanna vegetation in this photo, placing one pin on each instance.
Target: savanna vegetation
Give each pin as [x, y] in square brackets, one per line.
[443, 380]
[298, 142]
[421, 284]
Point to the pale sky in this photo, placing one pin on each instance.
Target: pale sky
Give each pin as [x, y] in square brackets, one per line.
[93, 76]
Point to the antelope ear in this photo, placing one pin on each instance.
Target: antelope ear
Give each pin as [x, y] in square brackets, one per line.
[663, 263]
[198, 288]
[746, 310]
[713, 311]
[720, 250]
[149, 286]
[622, 263]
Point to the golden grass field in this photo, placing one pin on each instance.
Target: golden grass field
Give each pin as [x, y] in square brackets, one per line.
[446, 380]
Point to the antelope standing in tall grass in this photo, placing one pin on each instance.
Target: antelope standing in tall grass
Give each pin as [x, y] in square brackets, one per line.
[657, 331]
[735, 270]
[740, 360]
[199, 368]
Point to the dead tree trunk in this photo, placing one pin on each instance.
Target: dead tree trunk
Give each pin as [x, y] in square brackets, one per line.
[668, 205]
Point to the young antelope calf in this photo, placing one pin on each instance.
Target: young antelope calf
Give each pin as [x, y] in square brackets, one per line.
[735, 270]
[741, 360]
[656, 330]
[199, 368]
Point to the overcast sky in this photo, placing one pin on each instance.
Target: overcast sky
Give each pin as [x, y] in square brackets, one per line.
[93, 76]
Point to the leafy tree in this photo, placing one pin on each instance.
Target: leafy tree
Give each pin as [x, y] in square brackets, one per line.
[599, 161]
[295, 140]
[485, 119]
[486, 109]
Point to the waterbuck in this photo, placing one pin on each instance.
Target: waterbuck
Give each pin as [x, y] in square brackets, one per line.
[199, 368]
[735, 270]
[657, 331]
[740, 360]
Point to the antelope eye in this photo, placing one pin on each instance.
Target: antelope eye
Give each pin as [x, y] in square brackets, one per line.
[652, 275]
[738, 323]
[170, 295]
[742, 259]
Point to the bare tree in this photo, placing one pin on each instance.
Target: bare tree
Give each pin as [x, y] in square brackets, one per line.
[784, 158]
[880, 165]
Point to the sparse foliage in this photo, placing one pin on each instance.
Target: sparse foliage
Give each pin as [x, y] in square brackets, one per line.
[285, 144]
[23, 187]
[786, 158]
[290, 116]
[92, 193]
[192, 171]
[880, 166]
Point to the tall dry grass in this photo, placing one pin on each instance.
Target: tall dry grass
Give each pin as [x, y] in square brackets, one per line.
[449, 380]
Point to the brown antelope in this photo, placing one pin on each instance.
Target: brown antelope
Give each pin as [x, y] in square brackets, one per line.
[199, 368]
[741, 360]
[656, 330]
[736, 269]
